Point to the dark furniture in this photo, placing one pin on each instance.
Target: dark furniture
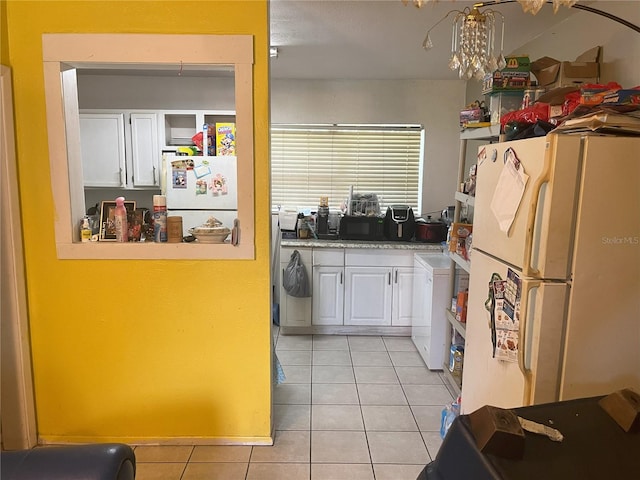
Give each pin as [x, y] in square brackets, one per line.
[595, 447]
[109, 461]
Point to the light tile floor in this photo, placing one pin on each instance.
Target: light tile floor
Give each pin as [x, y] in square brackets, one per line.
[351, 408]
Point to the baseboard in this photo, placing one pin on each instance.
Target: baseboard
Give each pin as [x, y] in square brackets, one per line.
[64, 440]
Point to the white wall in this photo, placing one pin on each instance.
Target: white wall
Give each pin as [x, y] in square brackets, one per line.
[434, 104]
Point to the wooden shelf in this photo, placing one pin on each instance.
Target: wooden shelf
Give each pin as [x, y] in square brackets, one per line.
[460, 327]
[466, 199]
[453, 381]
[461, 262]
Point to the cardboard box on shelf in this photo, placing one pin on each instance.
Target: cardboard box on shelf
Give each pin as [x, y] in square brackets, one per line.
[552, 73]
[459, 233]
[555, 98]
[515, 76]
[225, 139]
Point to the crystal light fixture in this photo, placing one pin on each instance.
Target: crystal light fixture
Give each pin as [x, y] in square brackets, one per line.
[473, 38]
[528, 6]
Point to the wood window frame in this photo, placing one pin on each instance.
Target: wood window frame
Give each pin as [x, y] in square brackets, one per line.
[62, 55]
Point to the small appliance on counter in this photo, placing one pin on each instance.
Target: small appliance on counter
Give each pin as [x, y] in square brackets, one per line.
[399, 223]
[430, 231]
[360, 227]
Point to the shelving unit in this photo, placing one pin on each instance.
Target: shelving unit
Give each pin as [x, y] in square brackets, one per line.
[488, 134]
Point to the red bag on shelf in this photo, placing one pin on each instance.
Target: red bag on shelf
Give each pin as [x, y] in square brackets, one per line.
[538, 111]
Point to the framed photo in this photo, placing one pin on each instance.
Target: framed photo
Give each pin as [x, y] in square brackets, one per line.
[107, 221]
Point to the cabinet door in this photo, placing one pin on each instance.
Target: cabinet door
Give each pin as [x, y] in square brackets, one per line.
[144, 150]
[368, 293]
[295, 311]
[402, 312]
[102, 145]
[328, 296]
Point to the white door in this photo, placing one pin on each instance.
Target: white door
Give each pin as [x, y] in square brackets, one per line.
[328, 295]
[540, 234]
[103, 152]
[145, 153]
[368, 293]
[402, 312]
[533, 378]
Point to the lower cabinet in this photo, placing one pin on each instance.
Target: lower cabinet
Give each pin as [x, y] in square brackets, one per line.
[351, 287]
[368, 296]
[328, 295]
[328, 286]
[295, 311]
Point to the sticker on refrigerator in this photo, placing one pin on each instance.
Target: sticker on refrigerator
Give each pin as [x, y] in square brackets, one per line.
[201, 187]
[179, 178]
[509, 191]
[218, 185]
[507, 316]
[202, 170]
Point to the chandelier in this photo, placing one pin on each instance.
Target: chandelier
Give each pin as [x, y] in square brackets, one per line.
[528, 6]
[473, 38]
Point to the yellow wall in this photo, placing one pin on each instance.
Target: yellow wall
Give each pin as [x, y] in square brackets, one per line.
[135, 350]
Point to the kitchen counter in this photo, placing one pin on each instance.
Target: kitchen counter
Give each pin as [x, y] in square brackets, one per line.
[318, 243]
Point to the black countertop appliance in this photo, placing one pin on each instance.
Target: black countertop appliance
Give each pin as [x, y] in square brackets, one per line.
[399, 223]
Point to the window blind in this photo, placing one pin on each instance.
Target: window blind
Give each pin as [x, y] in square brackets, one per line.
[310, 161]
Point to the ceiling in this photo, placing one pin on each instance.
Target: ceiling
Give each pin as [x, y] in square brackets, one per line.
[381, 39]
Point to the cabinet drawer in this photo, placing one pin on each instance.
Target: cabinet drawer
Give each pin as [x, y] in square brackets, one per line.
[330, 257]
[305, 255]
[378, 257]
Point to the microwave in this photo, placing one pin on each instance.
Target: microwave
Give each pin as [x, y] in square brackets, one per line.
[354, 227]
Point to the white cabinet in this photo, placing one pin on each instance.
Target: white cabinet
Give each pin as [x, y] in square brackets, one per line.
[430, 296]
[145, 151]
[102, 143]
[328, 286]
[401, 303]
[120, 149]
[368, 296]
[295, 311]
[378, 295]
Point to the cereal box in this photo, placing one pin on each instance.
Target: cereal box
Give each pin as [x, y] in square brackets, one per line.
[225, 138]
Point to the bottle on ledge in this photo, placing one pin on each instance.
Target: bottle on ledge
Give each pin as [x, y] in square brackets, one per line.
[120, 220]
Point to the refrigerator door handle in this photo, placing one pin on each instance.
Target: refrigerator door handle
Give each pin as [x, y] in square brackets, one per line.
[544, 177]
[527, 286]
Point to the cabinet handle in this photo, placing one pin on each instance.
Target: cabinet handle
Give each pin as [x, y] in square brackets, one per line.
[396, 277]
[154, 175]
[122, 182]
[340, 278]
[389, 277]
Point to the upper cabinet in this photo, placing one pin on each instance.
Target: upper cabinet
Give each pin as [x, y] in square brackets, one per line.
[120, 150]
[102, 143]
[145, 151]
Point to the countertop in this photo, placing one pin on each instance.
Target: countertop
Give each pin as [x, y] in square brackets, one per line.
[318, 243]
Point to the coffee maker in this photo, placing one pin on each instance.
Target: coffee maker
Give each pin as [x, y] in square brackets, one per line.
[322, 222]
[399, 223]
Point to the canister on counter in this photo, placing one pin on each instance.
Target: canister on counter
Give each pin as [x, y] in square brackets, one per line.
[159, 218]
[174, 229]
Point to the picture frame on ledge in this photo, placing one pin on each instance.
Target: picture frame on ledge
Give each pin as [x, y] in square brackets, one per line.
[107, 221]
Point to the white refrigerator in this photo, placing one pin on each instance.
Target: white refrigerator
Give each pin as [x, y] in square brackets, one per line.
[554, 293]
[200, 187]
